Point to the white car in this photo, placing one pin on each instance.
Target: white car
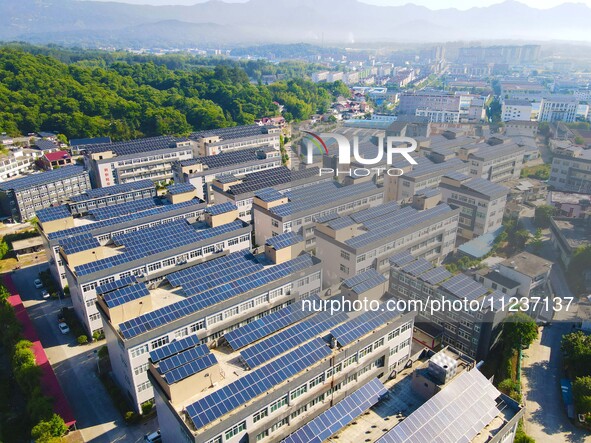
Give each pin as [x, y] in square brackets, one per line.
[64, 328]
[154, 437]
[38, 283]
[44, 294]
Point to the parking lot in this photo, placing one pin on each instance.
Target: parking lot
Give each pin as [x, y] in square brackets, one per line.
[75, 367]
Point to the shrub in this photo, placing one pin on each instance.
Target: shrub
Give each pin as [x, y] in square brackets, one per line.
[131, 417]
[98, 335]
[45, 430]
[147, 407]
[103, 352]
[82, 339]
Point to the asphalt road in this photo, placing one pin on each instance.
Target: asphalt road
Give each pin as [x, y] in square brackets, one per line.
[76, 369]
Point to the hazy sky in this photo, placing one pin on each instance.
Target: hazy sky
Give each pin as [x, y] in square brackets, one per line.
[432, 4]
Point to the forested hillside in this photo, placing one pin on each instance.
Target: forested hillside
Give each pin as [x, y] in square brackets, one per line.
[128, 98]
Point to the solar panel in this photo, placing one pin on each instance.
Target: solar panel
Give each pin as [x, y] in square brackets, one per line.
[361, 325]
[253, 331]
[270, 178]
[53, 213]
[485, 187]
[225, 159]
[341, 223]
[79, 243]
[377, 211]
[284, 240]
[197, 285]
[401, 258]
[455, 414]
[43, 178]
[108, 287]
[190, 368]
[174, 348]
[180, 188]
[463, 287]
[455, 175]
[123, 188]
[255, 383]
[417, 267]
[436, 275]
[182, 358]
[360, 278]
[221, 208]
[269, 194]
[190, 305]
[340, 415]
[368, 284]
[230, 132]
[136, 146]
[126, 294]
[119, 210]
[291, 337]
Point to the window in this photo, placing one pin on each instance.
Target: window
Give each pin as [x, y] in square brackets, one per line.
[299, 391]
[365, 351]
[393, 334]
[139, 351]
[344, 269]
[140, 369]
[278, 424]
[143, 386]
[345, 255]
[181, 333]
[262, 435]
[215, 319]
[235, 430]
[406, 327]
[277, 404]
[94, 317]
[349, 361]
[90, 303]
[316, 381]
[298, 412]
[197, 326]
[159, 342]
[260, 415]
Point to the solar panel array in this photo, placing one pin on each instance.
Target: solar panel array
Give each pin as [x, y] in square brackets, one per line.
[485, 187]
[360, 278]
[43, 178]
[284, 240]
[401, 258]
[175, 347]
[190, 368]
[150, 241]
[123, 188]
[122, 209]
[181, 358]
[125, 295]
[321, 194]
[463, 287]
[368, 284]
[230, 132]
[271, 177]
[291, 337]
[340, 415]
[341, 223]
[180, 188]
[397, 221]
[112, 286]
[429, 192]
[455, 414]
[436, 275]
[136, 146]
[224, 159]
[79, 243]
[255, 383]
[191, 205]
[200, 284]
[269, 195]
[53, 213]
[174, 311]
[427, 168]
[455, 175]
[417, 267]
[221, 208]
[361, 325]
[253, 331]
[375, 212]
[227, 178]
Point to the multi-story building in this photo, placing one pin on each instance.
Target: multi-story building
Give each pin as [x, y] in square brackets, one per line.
[558, 109]
[148, 158]
[410, 102]
[147, 255]
[497, 160]
[568, 235]
[439, 115]
[522, 90]
[297, 211]
[481, 203]
[518, 110]
[202, 171]
[571, 171]
[416, 178]
[364, 240]
[294, 375]
[214, 141]
[241, 190]
[471, 331]
[205, 303]
[15, 163]
[22, 197]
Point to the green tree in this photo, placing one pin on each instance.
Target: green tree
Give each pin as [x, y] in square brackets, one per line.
[582, 394]
[519, 330]
[576, 348]
[578, 266]
[3, 249]
[45, 430]
[543, 214]
[536, 241]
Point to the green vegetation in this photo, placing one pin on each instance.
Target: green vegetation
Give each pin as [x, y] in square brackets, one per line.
[579, 264]
[462, 264]
[576, 349]
[49, 431]
[540, 172]
[98, 94]
[536, 241]
[519, 331]
[543, 214]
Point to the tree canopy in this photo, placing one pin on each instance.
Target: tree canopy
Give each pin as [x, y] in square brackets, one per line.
[519, 329]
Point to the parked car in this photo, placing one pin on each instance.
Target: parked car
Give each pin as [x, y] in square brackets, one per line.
[38, 283]
[154, 437]
[64, 328]
[44, 294]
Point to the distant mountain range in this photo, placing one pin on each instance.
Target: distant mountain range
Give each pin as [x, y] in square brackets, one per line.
[215, 23]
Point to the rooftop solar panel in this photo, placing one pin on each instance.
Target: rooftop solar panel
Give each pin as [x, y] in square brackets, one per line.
[123, 188]
[436, 275]
[227, 178]
[417, 267]
[368, 284]
[291, 337]
[255, 383]
[108, 287]
[253, 331]
[361, 325]
[136, 146]
[463, 287]
[221, 208]
[284, 240]
[230, 132]
[225, 159]
[53, 213]
[122, 209]
[180, 188]
[455, 175]
[360, 278]
[401, 258]
[42, 178]
[339, 415]
[182, 358]
[125, 295]
[270, 178]
[79, 243]
[269, 195]
[190, 368]
[175, 347]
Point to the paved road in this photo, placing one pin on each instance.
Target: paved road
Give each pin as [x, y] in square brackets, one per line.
[75, 367]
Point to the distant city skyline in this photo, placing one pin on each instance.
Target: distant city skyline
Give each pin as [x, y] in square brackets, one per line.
[431, 4]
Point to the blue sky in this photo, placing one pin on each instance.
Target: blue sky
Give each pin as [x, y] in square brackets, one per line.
[431, 4]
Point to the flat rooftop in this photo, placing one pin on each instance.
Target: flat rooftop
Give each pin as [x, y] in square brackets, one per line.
[575, 231]
[528, 264]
